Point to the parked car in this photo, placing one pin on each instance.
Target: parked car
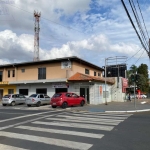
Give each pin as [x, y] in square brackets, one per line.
[13, 99]
[66, 99]
[143, 96]
[37, 99]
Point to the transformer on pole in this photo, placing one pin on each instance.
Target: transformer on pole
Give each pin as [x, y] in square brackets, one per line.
[36, 36]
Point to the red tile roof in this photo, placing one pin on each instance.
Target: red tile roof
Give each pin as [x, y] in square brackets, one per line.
[83, 77]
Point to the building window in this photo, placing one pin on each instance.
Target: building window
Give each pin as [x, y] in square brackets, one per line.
[8, 73]
[41, 91]
[99, 74]
[1, 76]
[86, 71]
[13, 73]
[10, 91]
[22, 70]
[41, 73]
[23, 91]
[94, 73]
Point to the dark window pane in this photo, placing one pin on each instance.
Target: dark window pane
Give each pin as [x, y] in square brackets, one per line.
[13, 73]
[86, 71]
[1, 76]
[41, 96]
[41, 91]
[41, 73]
[10, 91]
[8, 73]
[94, 73]
[22, 70]
[23, 91]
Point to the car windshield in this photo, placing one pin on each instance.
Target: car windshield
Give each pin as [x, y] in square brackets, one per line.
[33, 95]
[6, 96]
[57, 95]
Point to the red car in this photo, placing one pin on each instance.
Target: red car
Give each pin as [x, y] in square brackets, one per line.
[66, 99]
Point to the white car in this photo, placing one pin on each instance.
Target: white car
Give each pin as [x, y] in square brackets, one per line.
[13, 99]
[143, 96]
[37, 99]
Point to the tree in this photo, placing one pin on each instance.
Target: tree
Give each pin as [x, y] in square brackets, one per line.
[142, 80]
[133, 69]
[143, 70]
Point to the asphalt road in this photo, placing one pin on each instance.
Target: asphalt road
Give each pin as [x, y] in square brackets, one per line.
[58, 129]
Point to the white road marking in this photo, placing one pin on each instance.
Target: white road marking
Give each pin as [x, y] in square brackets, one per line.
[84, 121]
[82, 118]
[50, 141]
[94, 116]
[91, 135]
[7, 147]
[76, 125]
[20, 123]
[104, 114]
[36, 114]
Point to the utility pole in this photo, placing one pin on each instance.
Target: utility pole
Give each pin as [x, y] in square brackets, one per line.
[105, 82]
[36, 36]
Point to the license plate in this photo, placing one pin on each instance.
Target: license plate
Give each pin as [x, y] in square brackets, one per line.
[54, 103]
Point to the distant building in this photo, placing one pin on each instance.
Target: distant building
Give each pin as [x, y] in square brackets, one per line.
[116, 70]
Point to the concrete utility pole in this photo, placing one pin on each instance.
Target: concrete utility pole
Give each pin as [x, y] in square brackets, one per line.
[36, 36]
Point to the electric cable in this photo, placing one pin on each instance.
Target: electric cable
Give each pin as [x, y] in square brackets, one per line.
[142, 18]
[133, 24]
[140, 56]
[138, 22]
[132, 56]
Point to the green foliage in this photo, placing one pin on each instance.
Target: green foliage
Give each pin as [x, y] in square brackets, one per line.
[141, 77]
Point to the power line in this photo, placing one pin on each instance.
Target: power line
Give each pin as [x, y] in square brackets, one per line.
[138, 22]
[133, 25]
[133, 55]
[140, 56]
[142, 18]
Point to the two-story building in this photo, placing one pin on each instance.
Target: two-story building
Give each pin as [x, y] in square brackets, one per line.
[70, 74]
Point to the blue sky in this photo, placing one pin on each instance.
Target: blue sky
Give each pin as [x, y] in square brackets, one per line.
[90, 29]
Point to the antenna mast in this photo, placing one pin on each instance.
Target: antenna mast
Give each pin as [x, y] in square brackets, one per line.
[36, 36]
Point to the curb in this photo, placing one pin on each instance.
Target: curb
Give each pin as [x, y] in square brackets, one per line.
[128, 111]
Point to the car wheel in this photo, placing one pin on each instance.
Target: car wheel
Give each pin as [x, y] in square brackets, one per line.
[82, 103]
[64, 105]
[29, 105]
[13, 103]
[38, 104]
[54, 106]
[4, 104]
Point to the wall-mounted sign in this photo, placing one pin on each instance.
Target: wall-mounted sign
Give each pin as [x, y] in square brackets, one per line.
[60, 85]
[4, 82]
[65, 64]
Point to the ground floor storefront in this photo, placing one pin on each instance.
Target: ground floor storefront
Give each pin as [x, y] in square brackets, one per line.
[93, 92]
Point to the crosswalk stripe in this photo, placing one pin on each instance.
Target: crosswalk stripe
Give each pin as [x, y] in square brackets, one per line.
[50, 141]
[7, 147]
[95, 116]
[88, 118]
[105, 114]
[30, 115]
[84, 121]
[77, 125]
[91, 135]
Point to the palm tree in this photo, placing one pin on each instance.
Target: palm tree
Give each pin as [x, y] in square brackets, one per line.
[133, 69]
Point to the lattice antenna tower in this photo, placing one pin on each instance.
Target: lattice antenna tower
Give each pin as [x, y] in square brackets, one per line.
[36, 36]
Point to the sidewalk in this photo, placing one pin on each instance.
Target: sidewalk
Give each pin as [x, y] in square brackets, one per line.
[139, 106]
